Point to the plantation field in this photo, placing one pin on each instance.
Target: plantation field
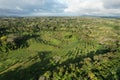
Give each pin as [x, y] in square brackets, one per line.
[59, 48]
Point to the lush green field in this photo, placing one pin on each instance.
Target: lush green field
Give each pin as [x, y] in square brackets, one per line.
[59, 48]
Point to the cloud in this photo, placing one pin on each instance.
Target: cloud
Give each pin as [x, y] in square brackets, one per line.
[111, 4]
[18, 7]
[52, 6]
[93, 7]
[30, 7]
[21, 3]
[85, 6]
[60, 7]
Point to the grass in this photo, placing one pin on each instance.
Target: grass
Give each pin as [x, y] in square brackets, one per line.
[83, 48]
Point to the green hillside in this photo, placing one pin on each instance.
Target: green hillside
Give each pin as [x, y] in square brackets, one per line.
[59, 48]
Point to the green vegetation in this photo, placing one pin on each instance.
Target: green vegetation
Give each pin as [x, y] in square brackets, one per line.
[59, 48]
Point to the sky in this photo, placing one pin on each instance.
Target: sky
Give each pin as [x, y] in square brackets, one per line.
[59, 7]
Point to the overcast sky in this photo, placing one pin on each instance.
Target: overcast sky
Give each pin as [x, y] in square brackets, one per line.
[59, 7]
